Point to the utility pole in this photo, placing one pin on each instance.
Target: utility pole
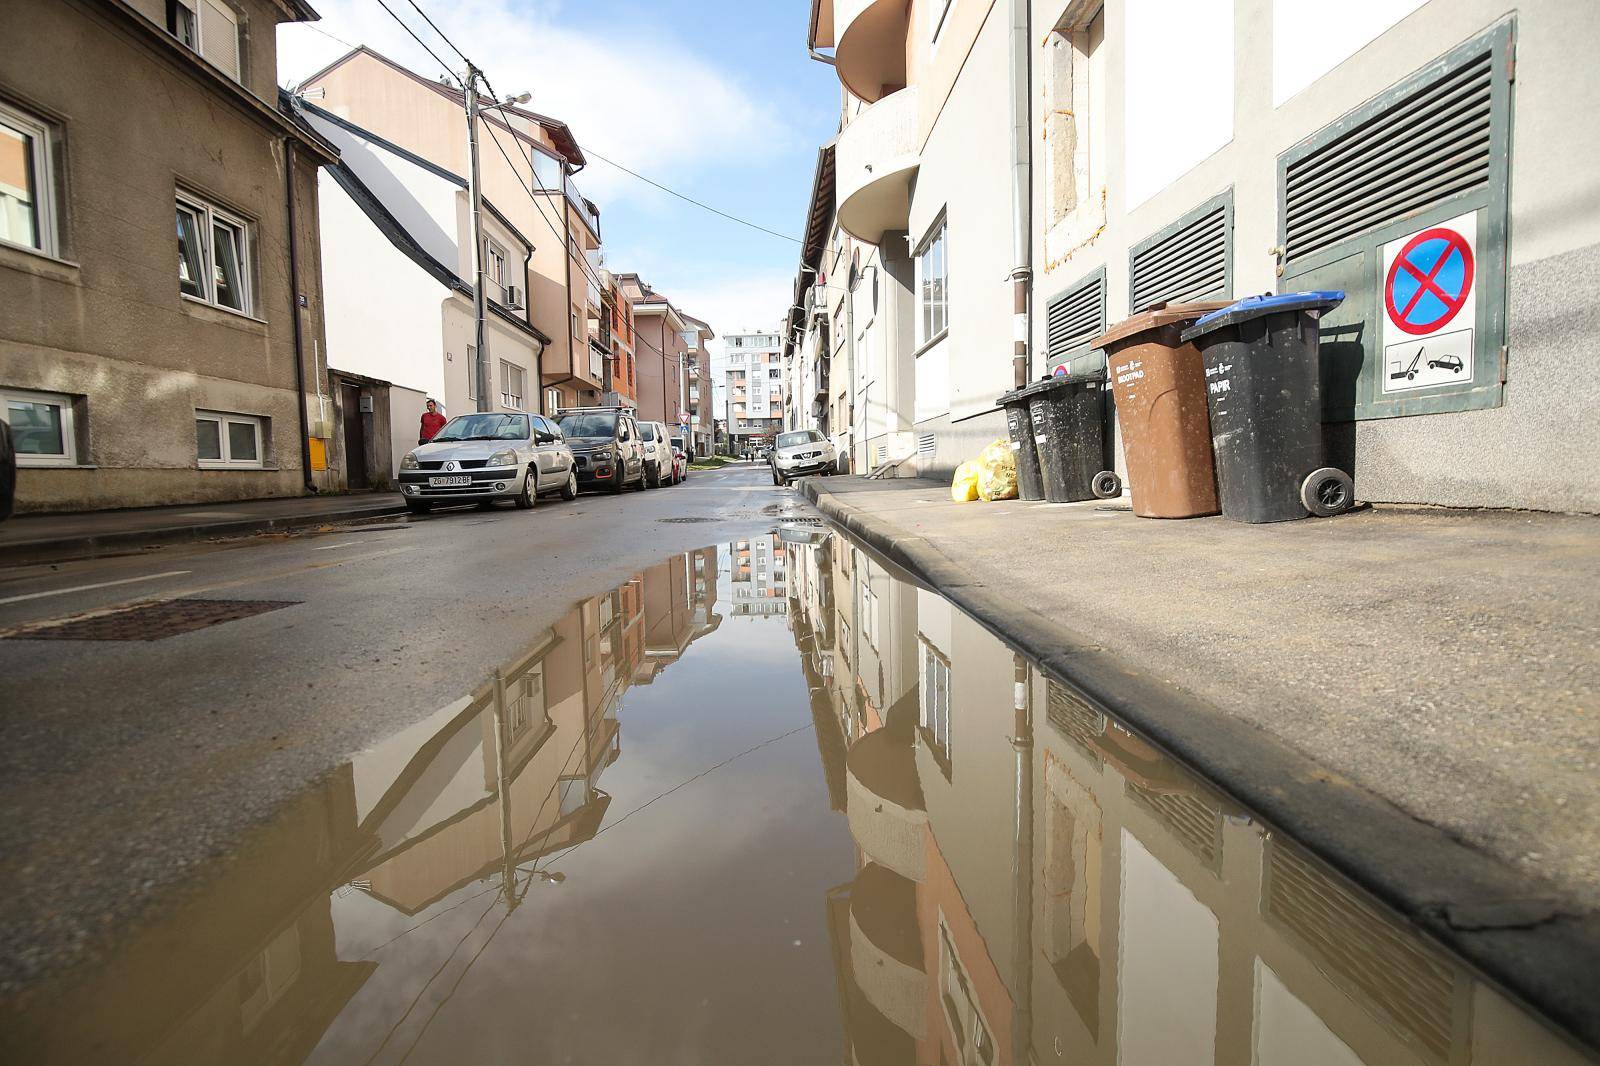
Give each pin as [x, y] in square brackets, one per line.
[475, 192]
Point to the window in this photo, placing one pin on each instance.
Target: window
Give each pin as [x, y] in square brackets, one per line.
[472, 372]
[513, 381]
[933, 287]
[27, 201]
[494, 267]
[41, 427]
[213, 255]
[211, 28]
[1074, 71]
[552, 401]
[223, 440]
[935, 702]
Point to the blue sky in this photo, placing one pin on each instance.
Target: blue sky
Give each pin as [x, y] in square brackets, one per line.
[715, 98]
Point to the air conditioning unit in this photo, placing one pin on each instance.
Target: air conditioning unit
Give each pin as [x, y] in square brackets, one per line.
[514, 297]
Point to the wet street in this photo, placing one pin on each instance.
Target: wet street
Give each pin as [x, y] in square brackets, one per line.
[682, 777]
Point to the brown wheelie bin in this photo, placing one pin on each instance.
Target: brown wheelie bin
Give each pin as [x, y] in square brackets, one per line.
[1160, 387]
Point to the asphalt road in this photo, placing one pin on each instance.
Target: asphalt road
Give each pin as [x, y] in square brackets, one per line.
[126, 764]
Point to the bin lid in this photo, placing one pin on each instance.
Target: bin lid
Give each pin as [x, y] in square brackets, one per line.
[1265, 304]
[1155, 318]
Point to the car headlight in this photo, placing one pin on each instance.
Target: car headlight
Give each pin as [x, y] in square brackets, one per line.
[409, 462]
[503, 458]
[605, 451]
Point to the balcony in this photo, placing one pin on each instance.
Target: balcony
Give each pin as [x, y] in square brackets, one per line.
[884, 804]
[870, 53]
[876, 159]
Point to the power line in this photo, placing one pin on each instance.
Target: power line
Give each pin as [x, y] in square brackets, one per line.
[690, 199]
[440, 32]
[412, 33]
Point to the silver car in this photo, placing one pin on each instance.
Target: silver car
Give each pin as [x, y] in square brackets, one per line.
[800, 452]
[481, 458]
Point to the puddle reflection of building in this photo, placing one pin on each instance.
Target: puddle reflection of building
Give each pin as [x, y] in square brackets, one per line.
[1066, 892]
[758, 577]
[247, 970]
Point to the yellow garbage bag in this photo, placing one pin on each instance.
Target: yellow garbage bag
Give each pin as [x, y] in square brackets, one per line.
[997, 472]
[964, 488]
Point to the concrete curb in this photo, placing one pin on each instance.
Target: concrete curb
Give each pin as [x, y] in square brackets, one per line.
[116, 541]
[1533, 947]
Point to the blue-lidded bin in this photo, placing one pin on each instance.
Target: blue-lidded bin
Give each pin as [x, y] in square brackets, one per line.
[1263, 391]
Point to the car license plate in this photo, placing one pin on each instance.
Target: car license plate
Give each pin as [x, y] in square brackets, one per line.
[449, 482]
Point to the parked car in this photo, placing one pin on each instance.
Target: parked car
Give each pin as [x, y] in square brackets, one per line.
[8, 473]
[680, 461]
[1447, 362]
[800, 452]
[488, 456]
[607, 446]
[657, 453]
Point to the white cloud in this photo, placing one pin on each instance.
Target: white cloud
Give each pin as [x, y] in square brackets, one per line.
[638, 95]
[739, 304]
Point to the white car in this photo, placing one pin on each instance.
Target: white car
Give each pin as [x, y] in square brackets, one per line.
[657, 453]
[481, 458]
[798, 453]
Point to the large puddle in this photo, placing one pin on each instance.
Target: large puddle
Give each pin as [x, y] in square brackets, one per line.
[767, 803]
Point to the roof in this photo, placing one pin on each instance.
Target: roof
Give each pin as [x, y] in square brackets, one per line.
[819, 220]
[559, 132]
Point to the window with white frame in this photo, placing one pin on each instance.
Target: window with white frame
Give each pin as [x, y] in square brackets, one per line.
[229, 441]
[27, 182]
[43, 430]
[513, 385]
[552, 401]
[211, 28]
[472, 372]
[213, 255]
[494, 267]
[934, 698]
[933, 284]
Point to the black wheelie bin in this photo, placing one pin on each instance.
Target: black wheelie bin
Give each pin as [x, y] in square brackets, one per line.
[1264, 394]
[1069, 417]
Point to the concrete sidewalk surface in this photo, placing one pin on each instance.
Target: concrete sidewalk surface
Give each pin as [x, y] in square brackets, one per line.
[38, 538]
[1447, 661]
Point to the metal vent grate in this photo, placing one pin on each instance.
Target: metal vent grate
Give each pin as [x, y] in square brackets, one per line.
[1075, 318]
[1194, 819]
[927, 444]
[1077, 721]
[1382, 966]
[1189, 262]
[155, 620]
[1425, 147]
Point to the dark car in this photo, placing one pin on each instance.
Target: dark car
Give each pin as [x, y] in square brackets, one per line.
[606, 443]
[8, 473]
[1446, 362]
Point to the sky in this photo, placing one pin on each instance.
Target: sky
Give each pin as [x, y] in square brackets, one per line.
[714, 98]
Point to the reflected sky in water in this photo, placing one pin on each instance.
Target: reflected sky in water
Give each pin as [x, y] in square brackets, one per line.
[766, 803]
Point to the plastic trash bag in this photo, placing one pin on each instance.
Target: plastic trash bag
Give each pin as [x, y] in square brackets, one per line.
[964, 488]
[997, 472]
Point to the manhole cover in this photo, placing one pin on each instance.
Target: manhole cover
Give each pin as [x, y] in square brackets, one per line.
[693, 518]
[149, 621]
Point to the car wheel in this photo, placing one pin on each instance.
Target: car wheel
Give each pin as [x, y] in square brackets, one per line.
[777, 478]
[529, 495]
[419, 506]
[652, 475]
[569, 491]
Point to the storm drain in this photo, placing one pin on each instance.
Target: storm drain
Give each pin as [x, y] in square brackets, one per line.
[155, 620]
[684, 521]
[803, 522]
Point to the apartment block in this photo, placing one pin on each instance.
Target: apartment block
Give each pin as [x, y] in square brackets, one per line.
[753, 366]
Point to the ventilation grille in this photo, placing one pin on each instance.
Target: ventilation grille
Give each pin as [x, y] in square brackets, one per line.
[1382, 966]
[1417, 152]
[1194, 819]
[1075, 318]
[927, 444]
[1077, 721]
[1190, 263]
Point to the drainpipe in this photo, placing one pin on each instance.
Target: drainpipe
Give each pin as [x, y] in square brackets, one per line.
[1022, 866]
[538, 345]
[1021, 190]
[294, 308]
[566, 254]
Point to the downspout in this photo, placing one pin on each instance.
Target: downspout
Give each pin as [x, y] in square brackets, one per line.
[527, 316]
[566, 255]
[294, 309]
[1021, 191]
[1022, 865]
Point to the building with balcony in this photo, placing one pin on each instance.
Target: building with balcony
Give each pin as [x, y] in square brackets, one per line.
[527, 162]
[615, 333]
[753, 387]
[667, 345]
[1303, 160]
[700, 391]
[142, 364]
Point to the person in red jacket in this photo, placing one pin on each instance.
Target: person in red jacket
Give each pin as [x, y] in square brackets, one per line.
[432, 423]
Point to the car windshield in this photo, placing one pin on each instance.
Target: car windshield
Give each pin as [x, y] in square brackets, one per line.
[483, 427]
[647, 431]
[597, 424]
[677, 442]
[799, 436]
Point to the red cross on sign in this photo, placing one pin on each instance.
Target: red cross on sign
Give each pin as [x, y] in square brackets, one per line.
[1429, 281]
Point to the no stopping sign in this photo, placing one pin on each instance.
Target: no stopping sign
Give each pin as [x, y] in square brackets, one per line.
[1429, 297]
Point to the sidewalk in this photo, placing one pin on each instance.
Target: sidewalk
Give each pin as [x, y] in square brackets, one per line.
[38, 538]
[1444, 663]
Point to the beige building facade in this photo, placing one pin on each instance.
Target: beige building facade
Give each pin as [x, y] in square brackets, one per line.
[135, 372]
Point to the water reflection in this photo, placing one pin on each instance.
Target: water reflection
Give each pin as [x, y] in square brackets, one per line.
[1036, 883]
[970, 865]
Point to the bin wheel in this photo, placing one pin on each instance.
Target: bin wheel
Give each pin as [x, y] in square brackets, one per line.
[1328, 492]
[1106, 484]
